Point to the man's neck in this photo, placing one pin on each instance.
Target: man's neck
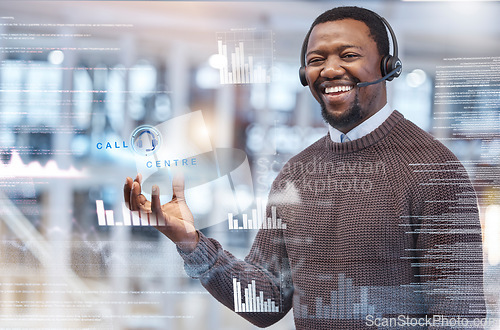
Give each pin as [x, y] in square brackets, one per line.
[363, 128]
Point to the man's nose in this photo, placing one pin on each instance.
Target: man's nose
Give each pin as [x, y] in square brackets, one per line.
[332, 68]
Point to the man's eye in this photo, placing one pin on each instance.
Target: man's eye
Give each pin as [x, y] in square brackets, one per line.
[314, 60]
[350, 56]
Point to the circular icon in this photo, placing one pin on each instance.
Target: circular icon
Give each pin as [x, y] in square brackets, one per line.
[145, 140]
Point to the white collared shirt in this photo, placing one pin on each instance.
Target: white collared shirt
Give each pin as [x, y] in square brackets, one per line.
[364, 128]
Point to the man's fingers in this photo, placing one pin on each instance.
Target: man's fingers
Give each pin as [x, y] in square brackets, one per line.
[132, 191]
[126, 191]
[156, 206]
[155, 200]
[134, 196]
[178, 186]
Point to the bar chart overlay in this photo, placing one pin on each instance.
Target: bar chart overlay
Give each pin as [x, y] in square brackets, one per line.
[347, 302]
[257, 220]
[247, 56]
[251, 300]
[128, 218]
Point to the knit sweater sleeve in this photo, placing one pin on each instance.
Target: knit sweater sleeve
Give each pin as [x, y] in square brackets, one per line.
[266, 268]
[447, 233]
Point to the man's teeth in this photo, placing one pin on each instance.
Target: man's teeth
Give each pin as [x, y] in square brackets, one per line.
[337, 89]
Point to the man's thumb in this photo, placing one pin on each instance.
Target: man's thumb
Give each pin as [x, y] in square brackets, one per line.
[178, 186]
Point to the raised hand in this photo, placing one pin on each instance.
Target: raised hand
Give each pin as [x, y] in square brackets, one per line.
[178, 219]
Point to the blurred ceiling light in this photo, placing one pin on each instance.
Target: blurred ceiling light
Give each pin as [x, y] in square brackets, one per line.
[56, 57]
[217, 61]
[416, 78]
[80, 145]
[199, 134]
[163, 107]
[207, 77]
[204, 132]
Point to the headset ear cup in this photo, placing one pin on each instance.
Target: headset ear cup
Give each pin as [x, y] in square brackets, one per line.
[388, 64]
[394, 64]
[302, 76]
[384, 69]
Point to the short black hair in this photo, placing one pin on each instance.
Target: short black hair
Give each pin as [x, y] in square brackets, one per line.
[377, 28]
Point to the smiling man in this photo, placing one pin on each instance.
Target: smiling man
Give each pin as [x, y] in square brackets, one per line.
[403, 251]
[340, 54]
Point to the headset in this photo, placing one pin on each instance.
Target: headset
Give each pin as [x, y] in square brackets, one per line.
[390, 66]
[154, 141]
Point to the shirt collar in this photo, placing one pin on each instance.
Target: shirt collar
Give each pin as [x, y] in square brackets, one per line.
[365, 127]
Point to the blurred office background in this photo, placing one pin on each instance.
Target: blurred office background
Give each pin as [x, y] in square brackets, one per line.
[74, 74]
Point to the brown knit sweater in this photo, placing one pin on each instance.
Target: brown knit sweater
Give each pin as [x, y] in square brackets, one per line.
[380, 229]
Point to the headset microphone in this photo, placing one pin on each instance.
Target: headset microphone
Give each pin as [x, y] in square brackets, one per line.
[393, 72]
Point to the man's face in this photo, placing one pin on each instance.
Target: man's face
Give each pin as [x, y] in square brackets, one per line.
[339, 55]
